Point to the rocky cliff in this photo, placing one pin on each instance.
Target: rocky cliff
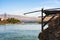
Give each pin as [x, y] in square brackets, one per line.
[53, 30]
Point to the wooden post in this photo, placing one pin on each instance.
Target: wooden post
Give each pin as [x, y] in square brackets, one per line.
[42, 19]
[42, 23]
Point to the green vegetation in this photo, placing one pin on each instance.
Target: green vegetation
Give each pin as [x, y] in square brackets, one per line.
[13, 20]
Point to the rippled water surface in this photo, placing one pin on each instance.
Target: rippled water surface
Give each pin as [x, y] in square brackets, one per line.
[19, 31]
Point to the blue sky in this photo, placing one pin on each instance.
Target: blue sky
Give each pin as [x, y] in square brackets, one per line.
[18, 7]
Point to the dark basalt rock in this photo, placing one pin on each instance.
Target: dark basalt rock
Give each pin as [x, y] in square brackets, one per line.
[52, 32]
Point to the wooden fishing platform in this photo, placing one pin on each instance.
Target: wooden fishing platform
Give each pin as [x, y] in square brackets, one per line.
[53, 12]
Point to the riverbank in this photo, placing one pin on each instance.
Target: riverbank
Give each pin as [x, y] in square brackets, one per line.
[5, 22]
[10, 21]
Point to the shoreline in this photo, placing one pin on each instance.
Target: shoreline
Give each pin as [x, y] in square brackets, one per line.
[1, 22]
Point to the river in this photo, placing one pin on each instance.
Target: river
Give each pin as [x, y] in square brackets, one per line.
[20, 31]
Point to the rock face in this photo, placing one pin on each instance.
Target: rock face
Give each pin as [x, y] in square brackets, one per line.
[52, 32]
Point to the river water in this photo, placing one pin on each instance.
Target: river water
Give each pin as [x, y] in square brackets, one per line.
[19, 31]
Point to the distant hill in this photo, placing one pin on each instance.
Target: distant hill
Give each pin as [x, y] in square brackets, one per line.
[22, 18]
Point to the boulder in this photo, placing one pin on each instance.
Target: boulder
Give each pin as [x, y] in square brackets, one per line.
[53, 30]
